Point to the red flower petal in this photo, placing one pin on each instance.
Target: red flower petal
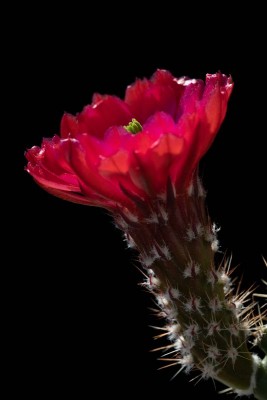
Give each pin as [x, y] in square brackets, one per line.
[69, 126]
[109, 111]
[106, 111]
[85, 164]
[146, 97]
[215, 97]
[203, 110]
[156, 151]
[49, 165]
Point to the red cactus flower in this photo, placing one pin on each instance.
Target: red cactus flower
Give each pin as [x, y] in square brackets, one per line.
[138, 158]
[116, 150]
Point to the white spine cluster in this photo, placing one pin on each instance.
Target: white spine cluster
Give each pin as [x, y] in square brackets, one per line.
[213, 327]
[190, 234]
[225, 280]
[211, 237]
[232, 354]
[166, 252]
[191, 270]
[208, 371]
[193, 304]
[174, 293]
[215, 304]
[187, 363]
[213, 352]
[147, 259]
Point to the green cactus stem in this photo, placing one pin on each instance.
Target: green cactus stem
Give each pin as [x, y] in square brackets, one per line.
[260, 391]
[262, 342]
[207, 324]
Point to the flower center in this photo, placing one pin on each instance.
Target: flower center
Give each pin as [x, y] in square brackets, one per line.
[134, 126]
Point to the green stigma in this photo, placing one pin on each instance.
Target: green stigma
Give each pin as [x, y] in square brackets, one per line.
[134, 126]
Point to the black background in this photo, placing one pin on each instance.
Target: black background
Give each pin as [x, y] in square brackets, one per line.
[81, 322]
